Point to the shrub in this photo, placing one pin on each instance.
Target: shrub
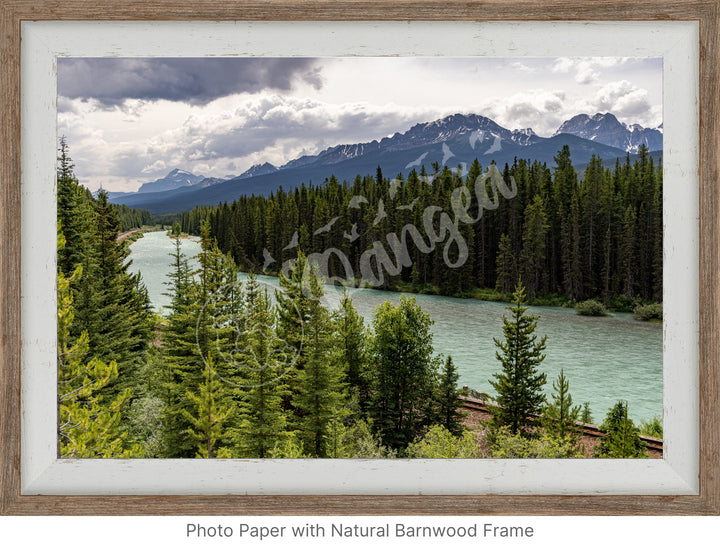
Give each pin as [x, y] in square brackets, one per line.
[438, 442]
[505, 444]
[590, 308]
[653, 428]
[649, 312]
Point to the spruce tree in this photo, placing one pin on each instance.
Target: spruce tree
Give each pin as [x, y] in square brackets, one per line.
[209, 411]
[449, 402]
[264, 360]
[532, 256]
[559, 417]
[87, 428]
[320, 391]
[202, 324]
[405, 372]
[623, 437]
[181, 359]
[506, 266]
[352, 349]
[519, 386]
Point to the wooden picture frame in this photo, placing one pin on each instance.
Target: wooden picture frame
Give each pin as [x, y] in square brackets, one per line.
[13, 12]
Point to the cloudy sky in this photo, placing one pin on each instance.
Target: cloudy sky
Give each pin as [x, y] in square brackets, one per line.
[133, 120]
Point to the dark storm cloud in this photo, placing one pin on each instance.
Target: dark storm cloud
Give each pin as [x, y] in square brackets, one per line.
[193, 80]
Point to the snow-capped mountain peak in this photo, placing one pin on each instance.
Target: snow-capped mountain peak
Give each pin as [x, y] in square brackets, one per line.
[606, 129]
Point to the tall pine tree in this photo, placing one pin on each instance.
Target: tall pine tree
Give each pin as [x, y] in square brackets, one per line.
[518, 387]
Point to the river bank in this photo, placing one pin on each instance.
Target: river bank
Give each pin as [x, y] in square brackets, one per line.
[606, 359]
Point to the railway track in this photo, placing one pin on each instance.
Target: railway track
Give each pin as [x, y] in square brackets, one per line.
[590, 430]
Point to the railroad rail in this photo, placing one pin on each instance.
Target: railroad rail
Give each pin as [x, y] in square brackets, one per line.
[590, 430]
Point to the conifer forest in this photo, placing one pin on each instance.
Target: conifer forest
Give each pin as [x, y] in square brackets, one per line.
[234, 368]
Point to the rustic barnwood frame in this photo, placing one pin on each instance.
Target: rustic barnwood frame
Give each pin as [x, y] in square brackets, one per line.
[705, 12]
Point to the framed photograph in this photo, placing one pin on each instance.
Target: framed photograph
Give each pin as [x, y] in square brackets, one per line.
[480, 175]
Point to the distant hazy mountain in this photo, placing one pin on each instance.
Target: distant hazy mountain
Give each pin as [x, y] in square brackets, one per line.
[210, 181]
[257, 170]
[454, 141]
[606, 129]
[175, 179]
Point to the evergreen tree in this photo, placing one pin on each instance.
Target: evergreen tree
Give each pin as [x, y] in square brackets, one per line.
[583, 249]
[208, 415]
[506, 266]
[86, 427]
[532, 257]
[627, 254]
[120, 326]
[353, 355]
[449, 414]
[560, 416]
[519, 385]
[205, 306]
[264, 361]
[111, 310]
[74, 214]
[405, 371]
[623, 437]
[320, 383]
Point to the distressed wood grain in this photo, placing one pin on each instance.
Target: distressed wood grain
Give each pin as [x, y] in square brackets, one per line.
[12, 12]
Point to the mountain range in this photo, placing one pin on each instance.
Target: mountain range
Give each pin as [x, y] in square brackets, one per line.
[606, 129]
[454, 141]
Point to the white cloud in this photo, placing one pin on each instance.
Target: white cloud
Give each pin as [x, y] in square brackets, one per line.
[159, 165]
[623, 99]
[562, 65]
[523, 67]
[586, 75]
[129, 142]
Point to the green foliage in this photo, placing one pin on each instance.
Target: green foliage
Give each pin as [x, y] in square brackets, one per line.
[144, 421]
[130, 218]
[559, 416]
[532, 256]
[506, 266]
[319, 388]
[506, 444]
[590, 308]
[652, 428]
[405, 372]
[519, 386]
[362, 443]
[205, 306]
[593, 235]
[354, 439]
[438, 442]
[649, 312]
[448, 399]
[352, 349]
[289, 446]
[623, 438]
[264, 361]
[586, 415]
[87, 428]
[111, 310]
[210, 411]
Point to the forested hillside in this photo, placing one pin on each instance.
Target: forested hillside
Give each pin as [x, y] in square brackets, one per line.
[577, 236]
[235, 371]
[105, 324]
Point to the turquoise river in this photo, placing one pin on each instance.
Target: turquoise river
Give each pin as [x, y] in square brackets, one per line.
[605, 359]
